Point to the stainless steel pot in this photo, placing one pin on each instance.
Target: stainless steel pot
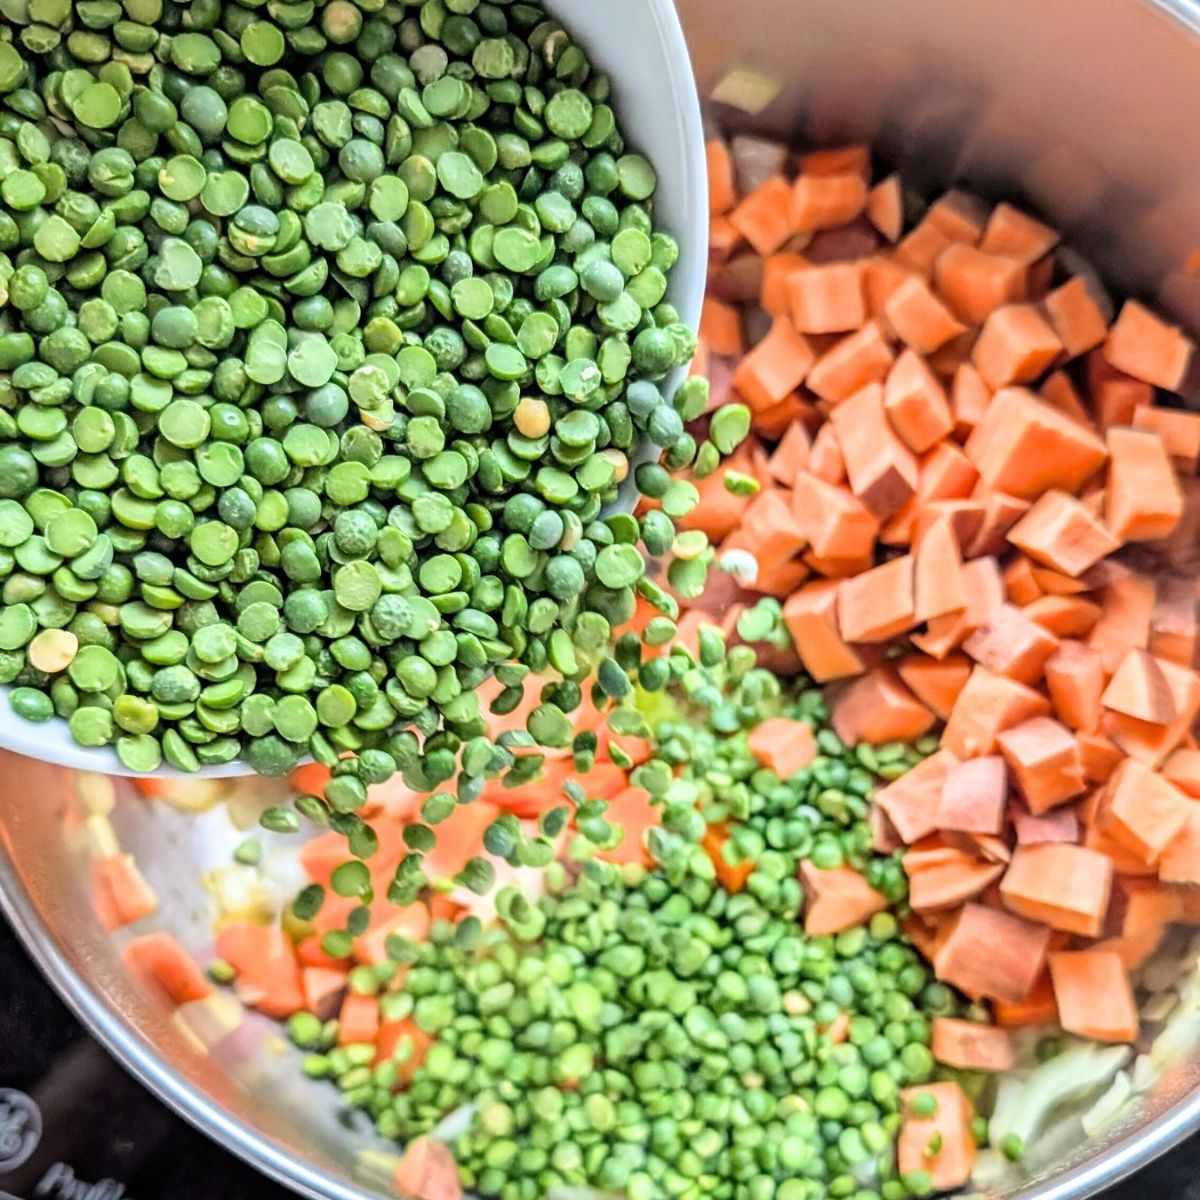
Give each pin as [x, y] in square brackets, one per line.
[1087, 109]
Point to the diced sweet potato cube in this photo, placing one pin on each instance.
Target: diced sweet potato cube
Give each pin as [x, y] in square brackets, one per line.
[975, 282]
[837, 898]
[1080, 313]
[921, 321]
[775, 368]
[1024, 447]
[993, 954]
[829, 298]
[987, 705]
[1075, 680]
[974, 796]
[1044, 759]
[834, 521]
[942, 1145]
[971, 1046]
[860, 358]
[1143, 500]
[1141, 810]
[1016, 345]
[1017, 235]
[916, 404]
[1093, 994]
[1180, 433]
[1010, 644]
[810, 615]
[911, 802]
[935, 683]
[1059, 532]
[882, 470]
[878, 604]
[1139, 689]
[1143, 345]
[876, 708]
[1066, 887]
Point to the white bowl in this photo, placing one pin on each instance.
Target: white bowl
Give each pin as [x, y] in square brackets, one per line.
[640, 44]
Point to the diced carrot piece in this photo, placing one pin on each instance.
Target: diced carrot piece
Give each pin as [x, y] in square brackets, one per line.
[722, 191]
[920, 248]
[774, 368]
[911, 802]
[721, 327]
[971, 1046]
[122, 894]
[1011, 645]
[268, 975]
[1061, 533]
[1093, 994]
[878, 604]
[973, 796]
[1024, 447]
[1080, 314]
[916, 404]
[826, 201]
[975, 283]
[882, 470]
[836, 899]
[876, 708]
[731, 876]
[782, 745]
[936, 684]
[1180, 433]
[919, 318]
[778, 269]
[358, 1020]
[960, 215]
[160, 960]
[1139, 689]
[1015, 346]
[885, 208]
[1127, 607]
[854, 158]
[427, 1171]
[1182, 769]
[1064, 886]
[763, 217]
[942, 1145]
[1059, 825]
[1075, 680]
[988, 705]
[1141, 810]
[991, 953]
[1143, 345]
[948, 884]
[1174, 628]
[1144, 500]
[828, 298]
[810, 615]
[1044, 759]
[1150, 743]
[938, 589]
[1017, 235]
[860, 358]
[969, 399]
